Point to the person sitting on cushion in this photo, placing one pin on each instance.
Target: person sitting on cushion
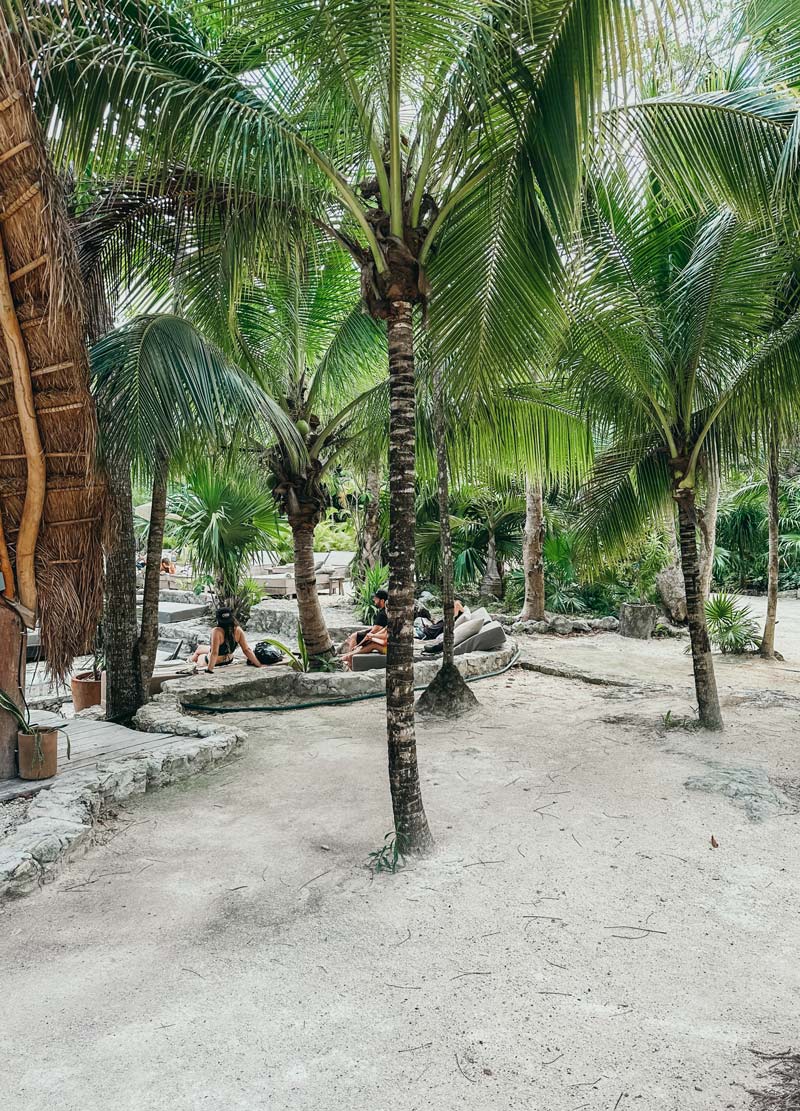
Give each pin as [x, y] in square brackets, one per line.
[381, 623]
[376, 640]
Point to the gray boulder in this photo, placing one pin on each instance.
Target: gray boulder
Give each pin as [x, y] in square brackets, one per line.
[91, 713]
[604, 624]
[669, 584]
[561, 624]
[581, 626]
[191, 632]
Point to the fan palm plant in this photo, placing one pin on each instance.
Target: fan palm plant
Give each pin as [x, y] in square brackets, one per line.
[304, 338]
[223, 517]
[672, 349]
[439, 144]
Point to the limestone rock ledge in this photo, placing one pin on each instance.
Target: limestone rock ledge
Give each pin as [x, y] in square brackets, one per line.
[61, 820]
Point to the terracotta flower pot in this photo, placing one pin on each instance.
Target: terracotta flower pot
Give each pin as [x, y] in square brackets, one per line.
[86, 690]
[42, 765]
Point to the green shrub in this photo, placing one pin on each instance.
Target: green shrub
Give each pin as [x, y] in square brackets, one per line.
[373, 578]
[731, 626]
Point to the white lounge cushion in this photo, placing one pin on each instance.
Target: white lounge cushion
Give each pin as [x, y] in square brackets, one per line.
[468, 629]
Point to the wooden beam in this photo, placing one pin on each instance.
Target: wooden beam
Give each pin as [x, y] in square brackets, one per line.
[49, 455]
[12, 680]
[27, 269]
[40, 371]
[5, 566]
[36, 484]
[15, 96]
[21, 200]
[18, 149]
[48, 409]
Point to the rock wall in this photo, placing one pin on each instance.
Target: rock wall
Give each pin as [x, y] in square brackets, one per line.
[280, 686]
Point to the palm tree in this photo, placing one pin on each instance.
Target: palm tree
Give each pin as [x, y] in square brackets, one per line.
[759, 531]
[303, 336]
[671, 351]
[742, 131]
[306, 106]
[163, 395]
[293, 324]
[767, 649]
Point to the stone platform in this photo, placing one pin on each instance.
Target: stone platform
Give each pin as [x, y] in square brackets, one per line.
[242, 687]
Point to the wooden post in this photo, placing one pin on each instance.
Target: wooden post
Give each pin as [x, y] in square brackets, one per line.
[13, 639]
[33, 507]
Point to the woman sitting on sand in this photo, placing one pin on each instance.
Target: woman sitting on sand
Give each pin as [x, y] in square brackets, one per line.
[225, 636]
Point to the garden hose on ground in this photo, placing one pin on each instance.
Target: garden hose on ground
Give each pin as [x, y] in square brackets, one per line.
[329, 701]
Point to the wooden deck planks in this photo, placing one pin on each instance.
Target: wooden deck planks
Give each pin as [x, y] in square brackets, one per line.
[90, 742]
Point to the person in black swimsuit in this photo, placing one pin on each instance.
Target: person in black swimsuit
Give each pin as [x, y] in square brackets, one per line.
[226, 636]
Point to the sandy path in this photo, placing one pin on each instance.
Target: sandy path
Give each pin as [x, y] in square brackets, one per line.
[665, 663]
[218, 956]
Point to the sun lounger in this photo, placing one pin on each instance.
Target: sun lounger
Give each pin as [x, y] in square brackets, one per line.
[277, 586]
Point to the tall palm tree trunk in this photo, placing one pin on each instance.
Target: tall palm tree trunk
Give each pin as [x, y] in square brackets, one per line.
[124, 693]
[707, 521]
[767, 649]
[533, 552]
[312, 620]
[704, 680]
[445, 535]
[371, 542]
[410, 822]
[148, 637]
[447, 695]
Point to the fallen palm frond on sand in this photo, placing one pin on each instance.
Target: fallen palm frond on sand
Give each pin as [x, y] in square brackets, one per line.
[783, 1075]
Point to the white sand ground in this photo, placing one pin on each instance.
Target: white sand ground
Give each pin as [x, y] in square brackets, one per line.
[226, 948]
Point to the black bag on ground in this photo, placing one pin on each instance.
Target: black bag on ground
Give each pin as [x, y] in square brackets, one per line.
[267, 653]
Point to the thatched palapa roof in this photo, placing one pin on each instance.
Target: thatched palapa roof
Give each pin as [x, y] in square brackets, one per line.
[38, 263]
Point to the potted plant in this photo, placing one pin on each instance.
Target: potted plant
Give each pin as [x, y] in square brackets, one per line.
[37, 746]
[87, 686]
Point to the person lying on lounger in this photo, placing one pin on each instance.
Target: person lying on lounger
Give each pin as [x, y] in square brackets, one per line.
[436, 628]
